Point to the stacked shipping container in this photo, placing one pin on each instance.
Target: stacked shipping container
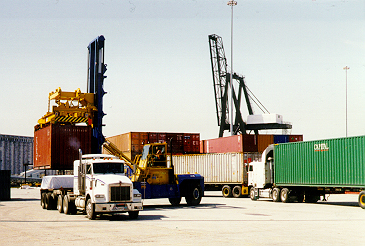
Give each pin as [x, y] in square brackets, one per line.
[131, 143]
[245, 143]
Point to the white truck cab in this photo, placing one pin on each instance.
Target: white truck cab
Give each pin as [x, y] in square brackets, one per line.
[100, 186]
[261, 175]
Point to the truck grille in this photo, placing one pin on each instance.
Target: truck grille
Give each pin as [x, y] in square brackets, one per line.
[120, 193]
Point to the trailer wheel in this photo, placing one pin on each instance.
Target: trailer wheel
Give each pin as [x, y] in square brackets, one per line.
[175, 201]
[252, 194]
[60, 203]
[90, 210]
[362, 199]
[276, 195]
[66, 205]
[133, 215]
[43, 200]
[284, 195]
[194, 196]
[49, 201]
[237, 191]
[227, 191]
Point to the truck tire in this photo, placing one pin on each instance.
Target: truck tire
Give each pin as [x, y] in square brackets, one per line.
[133, 215]
[194, 196]
[43, 200]
[252, 194]
[284, 195]
[276, 195]
[362, 199]
[49, 201]
[66, 207]
[227, 191]
[237, 191]
[60, 203]
[90, 210]
[175, 201]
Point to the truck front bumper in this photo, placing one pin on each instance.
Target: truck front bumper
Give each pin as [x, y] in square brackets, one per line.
[119, 207]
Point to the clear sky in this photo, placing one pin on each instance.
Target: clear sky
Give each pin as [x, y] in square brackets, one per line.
[292, 54]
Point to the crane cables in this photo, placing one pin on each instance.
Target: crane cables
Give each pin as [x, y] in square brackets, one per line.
[257, 101]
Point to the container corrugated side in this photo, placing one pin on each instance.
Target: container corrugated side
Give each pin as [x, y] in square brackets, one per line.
[295, 138]
[219, 168]
[57, 146]
[263, 141]
[324, 163]
[236, 143]
[281, 139]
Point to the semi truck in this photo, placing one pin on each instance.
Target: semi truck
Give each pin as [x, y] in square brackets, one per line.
[224, 171]
[152, 174]
[98, 186]
[306, 171]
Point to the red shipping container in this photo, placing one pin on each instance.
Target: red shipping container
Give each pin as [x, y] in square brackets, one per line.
[295, 138]
[57, 146]
[236, 143]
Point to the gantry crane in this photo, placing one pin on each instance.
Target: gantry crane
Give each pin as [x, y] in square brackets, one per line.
[222, 84]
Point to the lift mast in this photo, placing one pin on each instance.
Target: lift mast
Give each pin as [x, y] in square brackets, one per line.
[95, 84]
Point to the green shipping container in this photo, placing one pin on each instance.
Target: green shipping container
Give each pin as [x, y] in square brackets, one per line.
[322, 163]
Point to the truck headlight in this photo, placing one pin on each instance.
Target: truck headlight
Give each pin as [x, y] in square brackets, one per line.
[99, 196]
[137, 195]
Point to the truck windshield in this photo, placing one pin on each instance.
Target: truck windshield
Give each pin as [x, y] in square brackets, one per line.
[145, 152]
[103, 168]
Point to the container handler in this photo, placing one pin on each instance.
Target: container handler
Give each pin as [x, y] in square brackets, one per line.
[153, 175]
[305, 171]
[99, 186]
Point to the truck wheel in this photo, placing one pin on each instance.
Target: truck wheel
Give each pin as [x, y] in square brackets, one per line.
[49, 201]
[60, 204]
[276, 195]
[43, 200]
[194, 196]
[175, 201]
[133, 215]
[90, 210]
[66, 205]
[284, 195]
[252, 194]
[227, 191]
[362, 199]
[237, 191]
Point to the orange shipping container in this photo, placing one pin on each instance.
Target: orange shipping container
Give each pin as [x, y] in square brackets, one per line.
[263, 141]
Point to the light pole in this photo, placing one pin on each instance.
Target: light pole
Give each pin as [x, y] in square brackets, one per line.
[231, 3]
[346, 68]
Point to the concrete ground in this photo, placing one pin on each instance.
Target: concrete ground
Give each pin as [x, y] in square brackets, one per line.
[216, 221]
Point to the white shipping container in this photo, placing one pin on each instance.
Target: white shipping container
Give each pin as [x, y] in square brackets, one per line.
[216, 168]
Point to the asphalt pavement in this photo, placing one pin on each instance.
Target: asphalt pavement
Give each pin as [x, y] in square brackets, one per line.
[216, 221]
